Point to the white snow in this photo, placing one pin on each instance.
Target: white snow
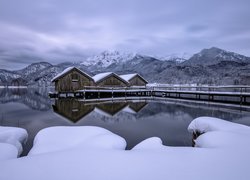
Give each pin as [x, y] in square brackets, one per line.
[64, 138]
[65, 71]
[127, 77]
[95, 153]
[150, 143]
[219, 133]
[101, 76]
[107, 58]
[11, 139]
[7, 151]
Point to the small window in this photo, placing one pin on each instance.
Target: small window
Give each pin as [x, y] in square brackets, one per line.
[75, 77]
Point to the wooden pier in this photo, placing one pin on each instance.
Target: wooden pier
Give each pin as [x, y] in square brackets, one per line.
[224, 94]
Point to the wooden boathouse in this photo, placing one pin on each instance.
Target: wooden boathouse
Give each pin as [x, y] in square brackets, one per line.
[71, 80]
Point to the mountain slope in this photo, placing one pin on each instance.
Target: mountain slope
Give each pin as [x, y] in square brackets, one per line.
[107, 58]
[210, 66]
[215, 55]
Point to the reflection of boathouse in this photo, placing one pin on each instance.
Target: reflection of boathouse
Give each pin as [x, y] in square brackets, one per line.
[110, 108]
[75, 110]
[137, 106]
[72, 109]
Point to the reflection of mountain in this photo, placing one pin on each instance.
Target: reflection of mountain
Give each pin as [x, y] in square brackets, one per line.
[34, 98]
[75, 110]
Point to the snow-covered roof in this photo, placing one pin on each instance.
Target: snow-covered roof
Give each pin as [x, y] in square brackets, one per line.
[101, 76]
[65, 71]
[128, 77]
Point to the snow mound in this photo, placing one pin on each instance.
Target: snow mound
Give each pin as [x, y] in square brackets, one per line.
[7, 151]
[62, 138]
[150, 143]
[95, 153]
[13, 136]
[206, 124]
[219, 133]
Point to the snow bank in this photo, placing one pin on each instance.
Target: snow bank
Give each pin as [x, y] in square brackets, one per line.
[94, 153]
[206, 124]
[219, 133]
[7, 151]
[62, 138]
[11, 139]
[150, 143]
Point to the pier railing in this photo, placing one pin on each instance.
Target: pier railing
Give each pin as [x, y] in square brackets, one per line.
[231, 88]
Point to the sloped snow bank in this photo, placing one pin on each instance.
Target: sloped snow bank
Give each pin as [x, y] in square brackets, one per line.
[7, 151]
[105, 158]
[218, 133]
[62, 138]
[11, 139]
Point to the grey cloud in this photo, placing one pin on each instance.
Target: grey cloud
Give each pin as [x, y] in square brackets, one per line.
[59, 30]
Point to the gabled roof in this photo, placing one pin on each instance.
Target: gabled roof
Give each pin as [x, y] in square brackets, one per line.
[100, 77]
[67, 70]
[128, 77]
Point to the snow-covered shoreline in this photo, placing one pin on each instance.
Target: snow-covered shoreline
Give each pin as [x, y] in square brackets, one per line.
[221, 152]
[11, 140]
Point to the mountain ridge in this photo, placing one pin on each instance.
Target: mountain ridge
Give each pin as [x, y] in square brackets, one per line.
[209, 66]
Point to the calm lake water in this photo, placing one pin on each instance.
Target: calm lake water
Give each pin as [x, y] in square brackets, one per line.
[134, 120]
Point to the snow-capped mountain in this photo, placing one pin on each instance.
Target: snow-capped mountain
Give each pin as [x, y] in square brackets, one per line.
[34, 68]
[178, 58]
[107, 58]
[216, 55]
[7, 76]
[209, 66]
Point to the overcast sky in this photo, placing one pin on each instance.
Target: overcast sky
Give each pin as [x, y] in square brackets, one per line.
[60, 30]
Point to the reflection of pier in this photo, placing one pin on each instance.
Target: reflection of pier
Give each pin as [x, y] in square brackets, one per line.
[75, 110]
